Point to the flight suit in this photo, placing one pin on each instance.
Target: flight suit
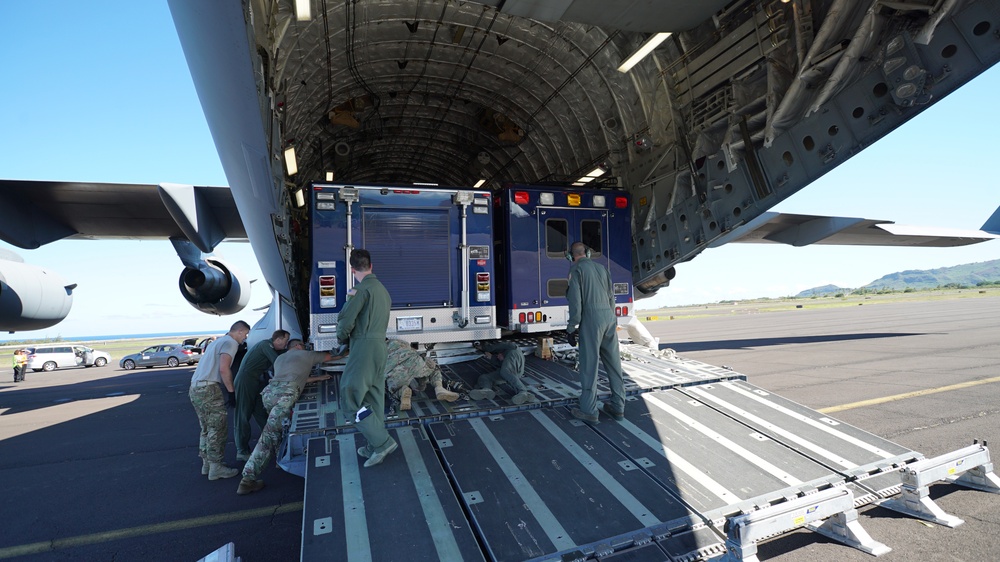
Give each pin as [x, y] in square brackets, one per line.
[248, 386]
[592, 314]
[364, 320]
[511, 370]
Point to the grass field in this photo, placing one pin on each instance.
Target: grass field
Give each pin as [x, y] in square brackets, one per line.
[755, 306]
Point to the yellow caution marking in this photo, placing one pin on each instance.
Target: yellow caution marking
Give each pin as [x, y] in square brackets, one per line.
[895, 397]
[143, 530]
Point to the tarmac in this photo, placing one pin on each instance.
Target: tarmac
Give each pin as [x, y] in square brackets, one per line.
[101, 464]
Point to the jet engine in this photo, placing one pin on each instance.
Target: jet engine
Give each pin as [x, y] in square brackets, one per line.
[32, 298]
[214, 287]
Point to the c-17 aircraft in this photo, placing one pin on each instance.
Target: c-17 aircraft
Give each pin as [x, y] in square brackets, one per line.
[737, 106]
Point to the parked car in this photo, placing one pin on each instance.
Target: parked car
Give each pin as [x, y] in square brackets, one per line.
[200, 345]
[51, 357]
[171, 355]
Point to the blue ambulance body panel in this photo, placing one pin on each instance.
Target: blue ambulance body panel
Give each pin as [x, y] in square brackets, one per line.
[535, 226]
[441, 284]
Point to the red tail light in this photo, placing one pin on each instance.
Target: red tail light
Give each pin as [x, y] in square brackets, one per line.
[531, 318]
[520, 318]
[521, 197]
[624, 311]
[621, 202]
[618, 311]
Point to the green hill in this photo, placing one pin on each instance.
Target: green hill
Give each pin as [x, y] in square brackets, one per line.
[969, 275]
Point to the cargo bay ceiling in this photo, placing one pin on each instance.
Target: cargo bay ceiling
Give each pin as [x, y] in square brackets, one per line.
[742, 105]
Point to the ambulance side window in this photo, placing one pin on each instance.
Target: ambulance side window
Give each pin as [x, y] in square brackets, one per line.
[556, 238]
[557, 287]
[590, 234]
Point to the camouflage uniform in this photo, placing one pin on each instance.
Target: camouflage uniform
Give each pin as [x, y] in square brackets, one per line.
[279, 399]
[211, 409]
[404, 366]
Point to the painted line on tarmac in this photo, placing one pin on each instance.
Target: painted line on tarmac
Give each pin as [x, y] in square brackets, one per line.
[133, 532]
[895, 397]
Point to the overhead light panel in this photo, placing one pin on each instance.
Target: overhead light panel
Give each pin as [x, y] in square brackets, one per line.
[329, 176]
[291, 164]
[303, 11]
[647, 47]
[479, 183]
[300, 200]
[596, 172]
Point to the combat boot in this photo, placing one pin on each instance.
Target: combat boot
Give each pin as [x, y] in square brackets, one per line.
[523, 398]
[204, 466]
[379, 456]
[481, 394]
[249, 486]
[404, 398]
[445, 395]
[217, 470]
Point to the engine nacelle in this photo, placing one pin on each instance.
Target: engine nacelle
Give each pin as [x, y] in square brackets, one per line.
[32, 298]
[214, 287]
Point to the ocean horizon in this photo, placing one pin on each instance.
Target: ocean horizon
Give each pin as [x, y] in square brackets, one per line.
[111, 337]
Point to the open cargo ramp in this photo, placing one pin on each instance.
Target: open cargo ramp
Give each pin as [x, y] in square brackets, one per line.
[702, 468]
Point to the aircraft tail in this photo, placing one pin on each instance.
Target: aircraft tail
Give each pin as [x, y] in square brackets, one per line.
[992, 224]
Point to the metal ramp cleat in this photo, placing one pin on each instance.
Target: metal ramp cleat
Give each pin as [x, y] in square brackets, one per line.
[836, 505]
[970, 467]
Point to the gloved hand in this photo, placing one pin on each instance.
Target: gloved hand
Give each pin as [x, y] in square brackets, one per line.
[230, 399]
[571, 338]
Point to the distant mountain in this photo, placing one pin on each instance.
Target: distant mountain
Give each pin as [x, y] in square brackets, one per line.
[822, 291]
[970, 274]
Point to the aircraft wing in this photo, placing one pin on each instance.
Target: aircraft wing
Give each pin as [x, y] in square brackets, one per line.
[46, 211]
[803, 230]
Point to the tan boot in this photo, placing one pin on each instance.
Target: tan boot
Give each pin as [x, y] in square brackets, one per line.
[204, 466]
[217, 470]
[404, 398]
[444, 394]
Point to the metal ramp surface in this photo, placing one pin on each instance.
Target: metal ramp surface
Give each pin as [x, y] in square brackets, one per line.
[703, 466]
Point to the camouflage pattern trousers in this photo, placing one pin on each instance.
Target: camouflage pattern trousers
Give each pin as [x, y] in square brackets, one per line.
[279, 398]
[211, 409]
[404, 366]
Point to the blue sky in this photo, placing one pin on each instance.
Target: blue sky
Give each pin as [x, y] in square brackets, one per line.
[101, 92]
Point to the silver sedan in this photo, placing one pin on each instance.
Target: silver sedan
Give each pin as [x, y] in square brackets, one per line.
[170, 355]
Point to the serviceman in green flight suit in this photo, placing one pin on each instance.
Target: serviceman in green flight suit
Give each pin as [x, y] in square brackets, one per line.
[364, 320]
[592, 316]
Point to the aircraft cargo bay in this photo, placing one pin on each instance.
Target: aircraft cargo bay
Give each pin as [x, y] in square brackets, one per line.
[704, 462]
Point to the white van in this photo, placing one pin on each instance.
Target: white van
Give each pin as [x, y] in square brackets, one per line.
[51, 357]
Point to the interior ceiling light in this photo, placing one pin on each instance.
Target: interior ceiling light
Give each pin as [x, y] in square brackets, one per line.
[329, 176]
[291, 164]
[303, 11]
[300, 200]
[647, 47]
[479, 183]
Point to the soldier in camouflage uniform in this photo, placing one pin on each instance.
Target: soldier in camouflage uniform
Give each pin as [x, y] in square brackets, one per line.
[511, 370]
[291, 374]
[407, 371]
[211, 378]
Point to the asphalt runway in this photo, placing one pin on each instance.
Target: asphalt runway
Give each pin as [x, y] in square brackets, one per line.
[101, 464]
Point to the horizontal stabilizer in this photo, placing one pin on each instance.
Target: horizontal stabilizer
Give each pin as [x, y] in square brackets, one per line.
[803, 230]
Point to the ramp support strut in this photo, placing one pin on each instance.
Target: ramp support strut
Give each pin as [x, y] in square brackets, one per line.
[970, 467]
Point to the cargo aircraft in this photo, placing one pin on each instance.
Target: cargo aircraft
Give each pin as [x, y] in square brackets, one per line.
[707, 113]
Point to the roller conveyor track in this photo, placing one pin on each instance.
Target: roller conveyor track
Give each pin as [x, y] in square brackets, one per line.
[495, 481]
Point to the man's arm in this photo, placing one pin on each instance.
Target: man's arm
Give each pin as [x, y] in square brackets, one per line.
[326, 357]
[349, 315]
[573, 294]
[226, 371]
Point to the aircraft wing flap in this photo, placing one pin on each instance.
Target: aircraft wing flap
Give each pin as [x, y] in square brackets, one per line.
[803, 230]
[41, 212]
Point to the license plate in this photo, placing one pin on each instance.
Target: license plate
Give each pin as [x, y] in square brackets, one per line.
[409, 324]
